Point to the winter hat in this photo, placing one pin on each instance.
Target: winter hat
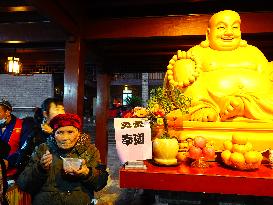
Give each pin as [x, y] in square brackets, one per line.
[67, 119]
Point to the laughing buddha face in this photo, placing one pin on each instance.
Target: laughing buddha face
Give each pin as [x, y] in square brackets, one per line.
[224, 33]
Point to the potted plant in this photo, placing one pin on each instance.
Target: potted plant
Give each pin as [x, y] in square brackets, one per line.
[163, 101]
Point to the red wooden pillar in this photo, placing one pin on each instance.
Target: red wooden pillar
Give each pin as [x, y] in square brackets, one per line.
[103, 93]
[74, 76]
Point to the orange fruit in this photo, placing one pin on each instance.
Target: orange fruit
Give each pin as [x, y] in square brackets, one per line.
[226, 155]
[239, 148]
[253, 157]
[239, 139]
[237, 158]
[182, 156]
[228, 145]
[248, 146]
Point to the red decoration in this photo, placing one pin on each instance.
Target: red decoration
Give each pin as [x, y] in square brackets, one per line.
[214, 179]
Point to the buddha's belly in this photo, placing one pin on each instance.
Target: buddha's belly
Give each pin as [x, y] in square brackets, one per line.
[234, 81]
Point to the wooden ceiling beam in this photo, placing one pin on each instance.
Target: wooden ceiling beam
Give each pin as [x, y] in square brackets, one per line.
[34, 57]
[170, 26]
[58, 14]
[31, 32]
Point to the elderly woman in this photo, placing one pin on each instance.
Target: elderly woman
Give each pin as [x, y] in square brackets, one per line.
[48, 181]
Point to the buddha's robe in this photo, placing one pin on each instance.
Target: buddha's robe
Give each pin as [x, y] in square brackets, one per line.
[242, 73]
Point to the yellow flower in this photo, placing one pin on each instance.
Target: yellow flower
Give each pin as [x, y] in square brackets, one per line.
[159, 121]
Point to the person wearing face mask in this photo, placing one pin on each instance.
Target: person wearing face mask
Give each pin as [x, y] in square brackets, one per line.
[50, 108]
[47, 178]
[14, 132]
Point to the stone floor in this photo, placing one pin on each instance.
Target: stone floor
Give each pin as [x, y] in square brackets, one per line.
[113, 194]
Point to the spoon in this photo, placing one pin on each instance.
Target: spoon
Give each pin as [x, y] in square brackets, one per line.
[62, 158]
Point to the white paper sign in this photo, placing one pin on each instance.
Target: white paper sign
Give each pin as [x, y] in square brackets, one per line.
[133, 139]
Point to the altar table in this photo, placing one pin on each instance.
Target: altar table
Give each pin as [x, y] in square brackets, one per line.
[215, 179]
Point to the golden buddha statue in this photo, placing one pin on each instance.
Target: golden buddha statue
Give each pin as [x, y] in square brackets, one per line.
[227, 79]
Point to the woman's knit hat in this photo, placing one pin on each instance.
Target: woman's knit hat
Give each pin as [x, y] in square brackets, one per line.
[67, 119]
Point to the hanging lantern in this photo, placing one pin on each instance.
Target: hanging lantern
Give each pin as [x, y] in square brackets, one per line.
[13, 66]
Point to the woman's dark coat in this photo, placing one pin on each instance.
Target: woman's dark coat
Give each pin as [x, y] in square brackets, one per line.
[54, 187]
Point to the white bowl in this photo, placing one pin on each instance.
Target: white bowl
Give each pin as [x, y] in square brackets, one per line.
[72, 163]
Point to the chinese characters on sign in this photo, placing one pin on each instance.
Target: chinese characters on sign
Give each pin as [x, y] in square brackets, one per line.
[133, 139]
[135, 124]
[136, 138]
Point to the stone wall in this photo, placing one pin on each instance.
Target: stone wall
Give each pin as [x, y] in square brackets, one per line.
[26, 92]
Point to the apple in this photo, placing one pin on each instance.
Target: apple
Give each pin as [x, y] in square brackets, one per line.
[200, 142]
[209, 153]
[195, 152]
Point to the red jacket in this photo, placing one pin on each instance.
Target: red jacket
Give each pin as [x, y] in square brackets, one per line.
[14, 143]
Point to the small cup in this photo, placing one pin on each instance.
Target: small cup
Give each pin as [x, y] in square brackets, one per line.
[71, 163]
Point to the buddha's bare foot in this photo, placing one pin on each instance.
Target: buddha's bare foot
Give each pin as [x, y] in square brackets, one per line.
[205, 115]
[234, 106]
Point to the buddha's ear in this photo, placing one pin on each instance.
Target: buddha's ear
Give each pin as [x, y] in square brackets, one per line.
[205, 43]
[207, 33]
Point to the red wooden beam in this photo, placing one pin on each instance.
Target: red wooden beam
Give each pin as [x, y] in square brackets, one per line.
[74, 76]
[31, 32]
[56, 12]
[133, 27]
[170, 26]
[102, 107]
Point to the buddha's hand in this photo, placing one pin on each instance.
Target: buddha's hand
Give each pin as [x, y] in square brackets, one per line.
[46, 160]
[207, 114]
[183, 69]
[232, 107]
[82, 171]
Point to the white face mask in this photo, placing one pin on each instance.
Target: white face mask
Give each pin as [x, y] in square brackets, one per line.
[3, 121]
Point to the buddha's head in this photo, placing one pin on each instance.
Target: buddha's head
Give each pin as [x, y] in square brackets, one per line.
[224, 32]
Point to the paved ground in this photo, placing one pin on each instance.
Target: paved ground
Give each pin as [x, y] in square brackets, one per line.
[112, 194]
